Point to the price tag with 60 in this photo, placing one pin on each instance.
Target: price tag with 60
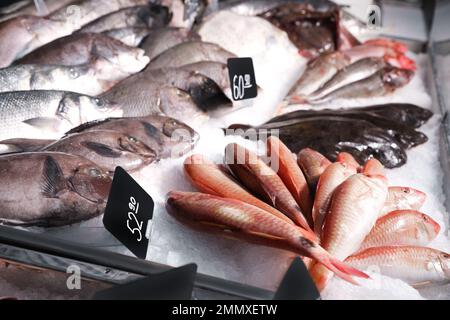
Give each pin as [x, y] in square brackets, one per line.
[242, 78]
[128, 213]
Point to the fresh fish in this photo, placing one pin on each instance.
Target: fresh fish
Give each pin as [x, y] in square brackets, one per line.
[166, 136]
[414, 265]
[244, 219]
[403, 198]
[381, 83]
[318, 72]
[263, 181]
[402, 227]
[130, 36]
[291, 174]
[210, 178]
[23, 145]
[147, 16]
[90, 79]
[356, 71]
[163, 39]
[50, 110]
[114, 56]
[335, 174]
[20, 8]
[23, 34]
[106, 148]
[354, 209]
[51, 189]
[403, 113]
[190, 52]
[313, 164]
[331, 135]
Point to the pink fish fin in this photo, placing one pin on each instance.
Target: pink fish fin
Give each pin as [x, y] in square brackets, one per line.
[297, 99]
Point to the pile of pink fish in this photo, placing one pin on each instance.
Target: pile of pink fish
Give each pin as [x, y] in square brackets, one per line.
[327, 212]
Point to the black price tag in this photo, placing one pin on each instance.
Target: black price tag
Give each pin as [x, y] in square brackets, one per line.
[242, 78]
[128, 212]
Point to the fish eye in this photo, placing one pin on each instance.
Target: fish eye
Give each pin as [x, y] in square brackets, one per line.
[99, 102]
[93, 172]
[132, 139]
[73, 73]
[406, 190]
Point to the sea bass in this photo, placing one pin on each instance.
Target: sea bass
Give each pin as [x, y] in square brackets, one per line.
[245, 219]
[51, 189]
[50, 110]
[166, 136]
[263, 181]
[355, 206]
[402, 227]
[106, 148]
[414, 265]
[210, 178]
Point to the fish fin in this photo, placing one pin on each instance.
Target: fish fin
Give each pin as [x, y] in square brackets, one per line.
[53, 180]
[420, 284]
[265, 235]
[101, 149]
[45, 123]
[150, 130]
[6, 148]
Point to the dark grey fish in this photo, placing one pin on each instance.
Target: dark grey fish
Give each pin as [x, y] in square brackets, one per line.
[147, 16]
[190, 52]
[51, 189]
[160, 40]
[107, 148]
[166, 136]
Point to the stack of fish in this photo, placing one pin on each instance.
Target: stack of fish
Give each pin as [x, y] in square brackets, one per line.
[315, 208]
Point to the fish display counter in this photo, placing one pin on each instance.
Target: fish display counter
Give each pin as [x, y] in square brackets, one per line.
[248, 133]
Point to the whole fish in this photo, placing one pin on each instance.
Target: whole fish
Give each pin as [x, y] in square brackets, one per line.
[356, 71]
[291, 174]
[335, 174]
[23, 145]
[313, 164]
[331, 135]
[318, 72]
[245, 219]
[403, 113]
[414, 265]
[106, 148]
[354, 209]
[205, 93]
[20, 8]
[114, 56]
[190, 52]
[163, 39]
[403, 198]
[402, 227]
[51, 189]
[130, 36]
[210, 178]
[166, 136]
[381, 83]
[50, 110]
[23, 34]
[147, 16]
[90, 79]
[264, 182]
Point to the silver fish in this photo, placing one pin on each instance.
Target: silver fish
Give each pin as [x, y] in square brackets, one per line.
[130, 36]
[107, 148]
[139, 17]
[50, 189]
[190, 52]
[163, 39]
[49, 110]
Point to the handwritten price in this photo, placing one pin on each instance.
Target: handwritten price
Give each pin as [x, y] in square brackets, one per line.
[134, 207]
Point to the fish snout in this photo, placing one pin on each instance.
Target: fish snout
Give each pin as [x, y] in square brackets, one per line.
[444, 260]
[431, 226]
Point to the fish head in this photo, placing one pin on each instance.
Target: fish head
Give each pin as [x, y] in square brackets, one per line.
[91, 182]
[396, 77]
[116, 58]
[444, 260]
[133, 145]
[410, 197]
[428, 226]
[174, 129]
[179, 104]
[78, 109]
